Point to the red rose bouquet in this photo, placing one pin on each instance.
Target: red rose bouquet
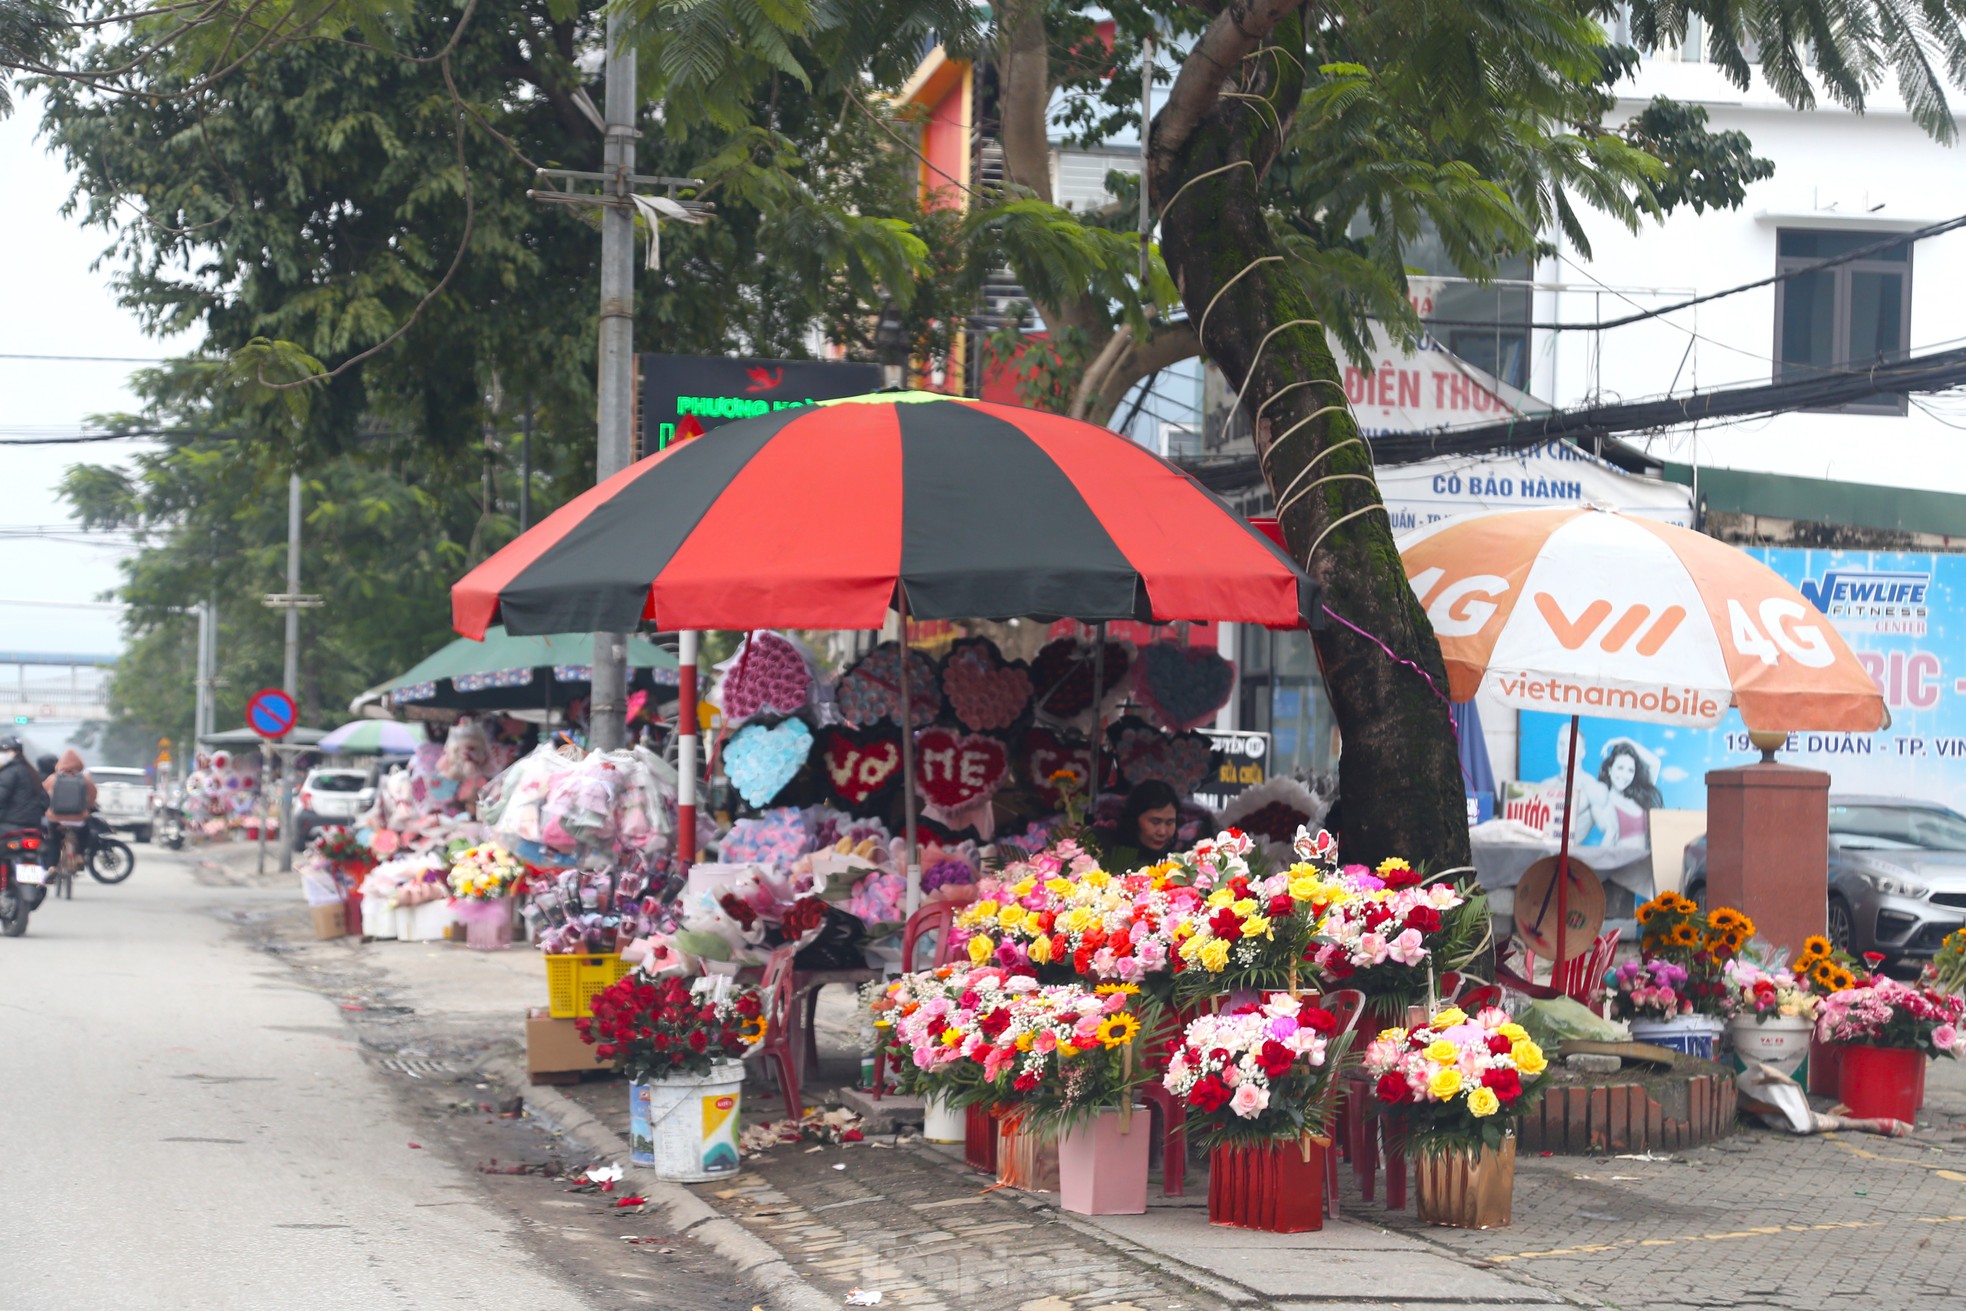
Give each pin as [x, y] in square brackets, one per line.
[1264, 1073]
[1461, 1080]
[653, 1028]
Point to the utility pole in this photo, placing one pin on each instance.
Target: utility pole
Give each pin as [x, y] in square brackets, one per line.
[202, 679]
[293, 603]
[614, 444]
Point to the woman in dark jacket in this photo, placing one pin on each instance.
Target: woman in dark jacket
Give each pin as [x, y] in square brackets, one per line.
[1144, 831]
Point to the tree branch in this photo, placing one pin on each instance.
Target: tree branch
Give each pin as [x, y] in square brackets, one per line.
[1235, 32]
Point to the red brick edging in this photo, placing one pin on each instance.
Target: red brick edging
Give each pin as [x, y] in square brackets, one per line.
[1625, 1117]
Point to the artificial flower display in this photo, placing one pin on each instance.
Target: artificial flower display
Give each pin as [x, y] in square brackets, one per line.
[1650, 990]
[652, 1028]
[486, 872]
[1459, 1081]
[1766, 994]
[1265, 1072]
[1885, 1013]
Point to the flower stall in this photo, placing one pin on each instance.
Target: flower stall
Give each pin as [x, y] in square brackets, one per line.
[1884, 1032]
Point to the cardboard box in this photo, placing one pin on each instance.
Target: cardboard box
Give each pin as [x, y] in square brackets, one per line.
[554, 1047]
[330, 921]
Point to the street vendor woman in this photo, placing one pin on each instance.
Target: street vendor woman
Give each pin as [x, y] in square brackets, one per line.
[1144, 831]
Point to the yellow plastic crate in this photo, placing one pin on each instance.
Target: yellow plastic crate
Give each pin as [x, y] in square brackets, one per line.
[572, 981]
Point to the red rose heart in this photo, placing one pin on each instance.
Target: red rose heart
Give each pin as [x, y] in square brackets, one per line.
[1061, 676]
[1143, 753]
[958, 770]
[1276, 822]
[860, 765]
[1045, 753]
[985, 692]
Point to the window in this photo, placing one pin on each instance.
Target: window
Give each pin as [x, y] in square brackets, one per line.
[1847, 316]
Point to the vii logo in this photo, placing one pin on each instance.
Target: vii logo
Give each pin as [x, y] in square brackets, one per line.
[1573, 633]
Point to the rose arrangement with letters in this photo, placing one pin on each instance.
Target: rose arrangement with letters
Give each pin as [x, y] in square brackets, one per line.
[1459, 1081]
[653, 1028]
[1265, 1072]
[1885, 1013]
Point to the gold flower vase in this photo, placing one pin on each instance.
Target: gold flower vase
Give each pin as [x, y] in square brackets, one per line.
[1463, 1189]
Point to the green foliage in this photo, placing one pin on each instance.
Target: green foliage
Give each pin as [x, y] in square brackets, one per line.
[1702, 168]
[31, 32]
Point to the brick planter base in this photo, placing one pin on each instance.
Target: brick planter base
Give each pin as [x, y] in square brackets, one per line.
[1622, 1114]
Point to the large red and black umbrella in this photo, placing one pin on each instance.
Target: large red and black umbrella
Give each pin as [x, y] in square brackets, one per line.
[813, 517]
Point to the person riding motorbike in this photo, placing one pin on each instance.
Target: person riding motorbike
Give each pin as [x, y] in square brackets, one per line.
[22, 801]
[71, 799]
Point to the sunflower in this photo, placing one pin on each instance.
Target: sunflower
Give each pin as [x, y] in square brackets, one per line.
[1683, 935]
[1683, 905]
[1735, 940]
[1117, 1030]
[1646, 912]
[1652, 943]
[1823, 973]
[1815, 947]
[1108, 989]
[1844, 979]
[1723, 919]
[753, 1029]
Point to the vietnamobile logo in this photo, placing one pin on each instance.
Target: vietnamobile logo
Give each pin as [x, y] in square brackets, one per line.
[1464, 607]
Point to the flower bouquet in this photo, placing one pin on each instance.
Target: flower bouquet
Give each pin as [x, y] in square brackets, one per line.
[1885, 1031]
[1260, 1088]
[482, 881]
[1460, 1083]
[1674, 930]
[943, 1022]
[1771, 1012]
[1387, 931]
[1070, 1059]
[1946, 971]
[1650, 990]
[679, 1041]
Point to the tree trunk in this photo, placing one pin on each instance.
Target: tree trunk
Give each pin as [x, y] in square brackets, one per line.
[1401, 792]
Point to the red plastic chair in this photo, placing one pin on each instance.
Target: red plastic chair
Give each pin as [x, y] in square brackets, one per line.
[1345, 1005]
[937, 917]
[782, 1048]
[1173, 1136]
[1579, 978]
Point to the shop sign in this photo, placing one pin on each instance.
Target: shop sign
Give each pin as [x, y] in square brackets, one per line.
[715, 390]
[1237, 762]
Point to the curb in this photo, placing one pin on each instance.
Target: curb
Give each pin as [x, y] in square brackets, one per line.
[783, 1287]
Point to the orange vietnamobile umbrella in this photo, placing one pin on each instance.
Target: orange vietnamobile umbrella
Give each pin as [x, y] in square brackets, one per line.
[1594, 612]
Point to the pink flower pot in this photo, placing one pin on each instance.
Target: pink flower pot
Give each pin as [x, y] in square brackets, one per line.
[1102, 1169]
[1882, 1082]
[1277, 1187]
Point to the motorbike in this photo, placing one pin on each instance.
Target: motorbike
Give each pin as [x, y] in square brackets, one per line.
[170, 828]
[22, 878]
[110, 859]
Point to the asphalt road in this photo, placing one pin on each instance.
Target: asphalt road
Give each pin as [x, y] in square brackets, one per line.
[187, 1126]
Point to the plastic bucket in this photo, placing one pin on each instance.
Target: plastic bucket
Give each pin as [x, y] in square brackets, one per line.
[1887, 1082]
[1692, 1034]
[685, 1126]
[942, 1121]
[1782, 1042]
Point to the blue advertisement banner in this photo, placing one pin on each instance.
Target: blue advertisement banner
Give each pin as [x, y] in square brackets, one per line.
[1899, 613]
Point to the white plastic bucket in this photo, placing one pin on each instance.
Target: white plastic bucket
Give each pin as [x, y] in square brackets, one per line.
[1782, 1041]
[943, 1122]
[685, 1126]
[1692, 1034]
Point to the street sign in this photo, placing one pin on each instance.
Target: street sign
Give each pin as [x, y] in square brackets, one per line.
[710, 391]
[1237, 762]
[271, 713]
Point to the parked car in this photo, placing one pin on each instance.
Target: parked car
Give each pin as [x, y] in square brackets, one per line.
[123, 799]
[333, 794]
[326, 797]
[1897, 875]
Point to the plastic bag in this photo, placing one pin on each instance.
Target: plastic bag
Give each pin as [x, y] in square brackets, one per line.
[1561, 1019]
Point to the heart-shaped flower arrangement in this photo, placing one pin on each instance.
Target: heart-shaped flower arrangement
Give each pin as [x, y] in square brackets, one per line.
[1046, 753]
[956, 770]
[761, 760]
[987, 693]
[1183, 685]
[1273, 811]
[770, 676]
[1143, 752]
[860, 766]
[870, 691]
[1061, 676]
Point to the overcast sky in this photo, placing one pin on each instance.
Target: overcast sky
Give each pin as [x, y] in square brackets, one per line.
[54, 306]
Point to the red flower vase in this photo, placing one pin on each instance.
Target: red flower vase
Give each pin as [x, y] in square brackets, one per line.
[980, 1139]
[1277, 1187]
[1825, 1066]
[1882, 1082]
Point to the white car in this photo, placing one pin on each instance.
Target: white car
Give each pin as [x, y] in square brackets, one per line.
[123, 798]
[336, 795]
